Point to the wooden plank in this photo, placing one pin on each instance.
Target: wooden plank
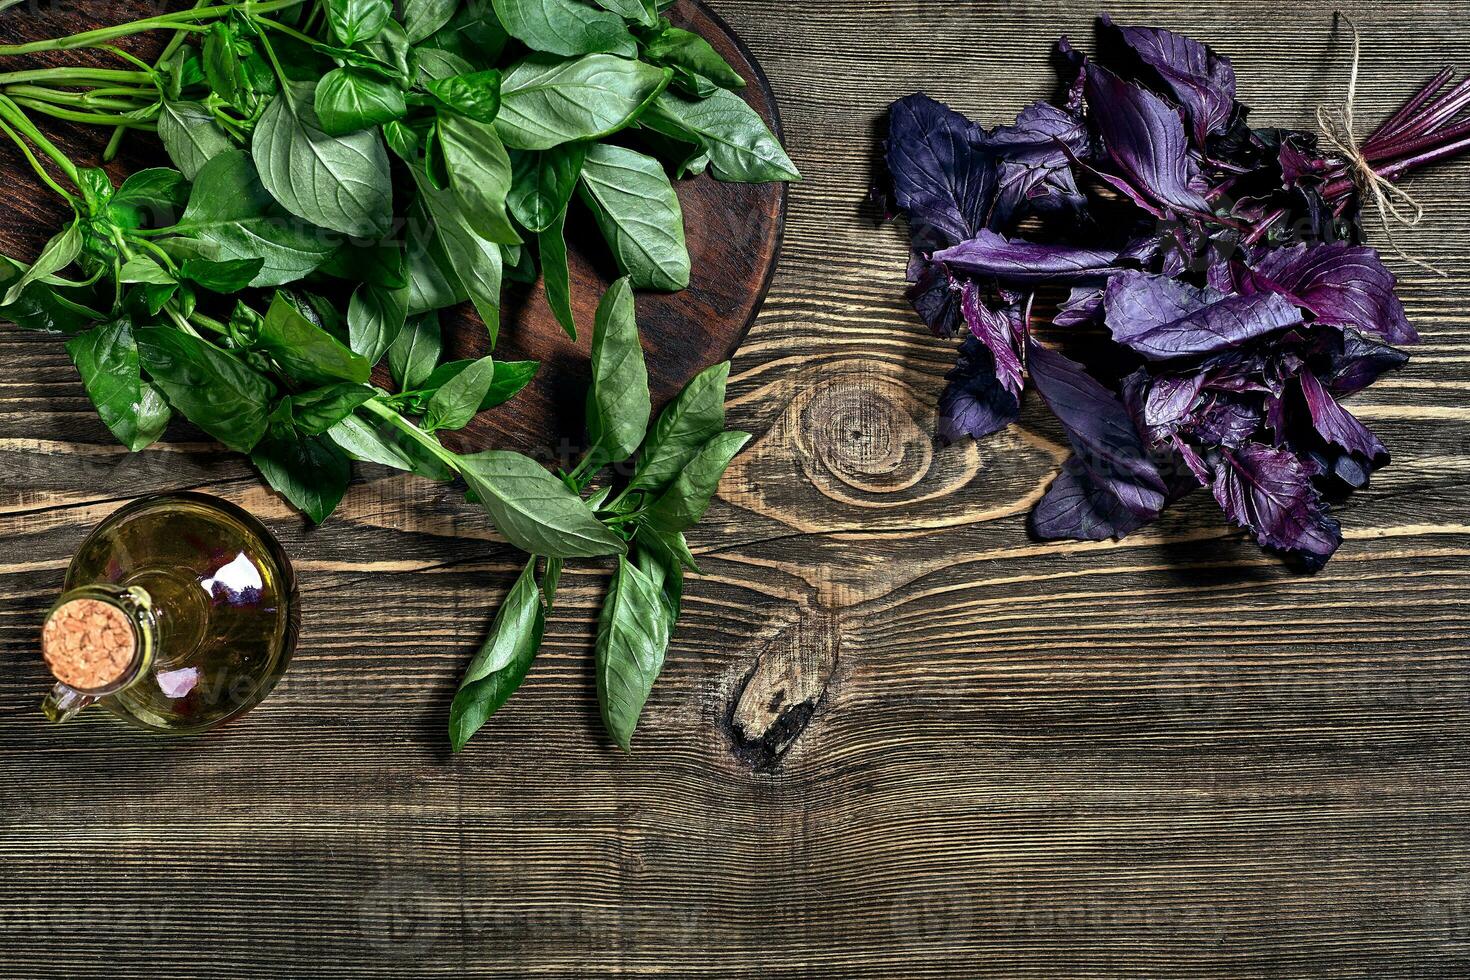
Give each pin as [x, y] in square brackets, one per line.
[896, 737]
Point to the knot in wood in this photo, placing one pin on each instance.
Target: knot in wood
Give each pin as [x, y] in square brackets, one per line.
[864, 437]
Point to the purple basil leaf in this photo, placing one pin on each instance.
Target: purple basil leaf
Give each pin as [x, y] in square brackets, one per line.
[1201, 81]
[1170, 402]
[1297, 162]
[1100, 430]
[1226, 421]
[936, 299]
[975, 404]
[1039, 133]
[1346, 468]
[1343, 285]
[1163, 318]
[1018, 261]
[1361, 362]
[1337, 425]
[1071, 66]
[1035, 171]
[1082, 307]
[1144, 136]
[1077, 509]
[942, 178]
[1270, 492]
[998, 330]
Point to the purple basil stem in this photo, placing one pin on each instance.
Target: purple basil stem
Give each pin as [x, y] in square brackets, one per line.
[1338, 426]
[1270, 492]
[998, 330]
[942, 178]
[1015, 260]
[1342, 285]
[1163, 318]
[1144, 136]
[975, 404]
[1202, 82]
[1077, 509]
[1100, 430]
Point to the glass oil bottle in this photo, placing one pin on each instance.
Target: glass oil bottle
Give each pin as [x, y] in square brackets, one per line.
[180, 612]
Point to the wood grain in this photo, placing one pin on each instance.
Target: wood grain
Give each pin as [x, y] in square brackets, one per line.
[896, 737]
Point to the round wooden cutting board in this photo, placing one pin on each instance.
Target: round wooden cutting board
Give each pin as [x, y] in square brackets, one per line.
[734, 233]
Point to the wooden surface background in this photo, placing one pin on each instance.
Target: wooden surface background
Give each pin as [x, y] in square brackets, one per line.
[896, 737]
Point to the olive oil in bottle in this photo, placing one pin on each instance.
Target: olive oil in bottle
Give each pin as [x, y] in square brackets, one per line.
[180, 613]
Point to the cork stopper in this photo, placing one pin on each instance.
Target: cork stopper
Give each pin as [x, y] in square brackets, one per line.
[88, 644]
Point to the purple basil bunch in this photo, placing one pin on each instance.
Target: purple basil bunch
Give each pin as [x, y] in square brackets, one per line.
[1213, 273]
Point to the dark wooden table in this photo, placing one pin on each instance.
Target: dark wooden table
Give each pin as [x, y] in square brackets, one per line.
[896, 737]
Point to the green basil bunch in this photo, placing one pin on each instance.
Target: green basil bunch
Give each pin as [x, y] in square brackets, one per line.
[408, 159]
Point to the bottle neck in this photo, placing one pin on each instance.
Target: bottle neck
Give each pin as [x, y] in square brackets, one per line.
[101, 639]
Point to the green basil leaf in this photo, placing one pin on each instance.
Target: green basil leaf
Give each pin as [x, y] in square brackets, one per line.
[230, 210]
[392, 50]
[474, 33]
[657, 555]
[632, 642]
[422, 18]
[690, 421]
[354, 21]
[684, 503]
[373, 263]
[305, 351]
[212, 389]
[348, 101]
[455, 404]
[740, 146]
[59, 253]
[511, 377]
[43, 307]
[550, 581]
[473, 94]
[369, 443]
[565, 27]
[149, 198]
[414, 352]
[144, 268]
[644, 12]
[557, 271]
[375, 317]
[319, 410]
[131, 408]
[436, 65]
[639, 214]
[479, 176]
[433, 284]
[534, 510]
[221, 276]
[191, 136]
[336, 182]
[618, 403]
[472, 261]
[546, 101]
[503, 662]
[542, 184]
[223, 67]
[311, 472]
[679, 49]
